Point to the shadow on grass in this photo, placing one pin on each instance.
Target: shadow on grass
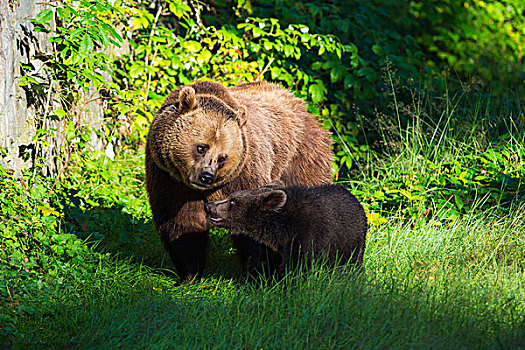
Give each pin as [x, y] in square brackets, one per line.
[322, 310]
[117, 232]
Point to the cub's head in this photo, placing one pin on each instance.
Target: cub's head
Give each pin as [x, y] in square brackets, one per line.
[198, 139]
[243, 210]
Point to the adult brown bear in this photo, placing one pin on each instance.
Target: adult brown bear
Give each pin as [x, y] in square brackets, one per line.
[207, 141]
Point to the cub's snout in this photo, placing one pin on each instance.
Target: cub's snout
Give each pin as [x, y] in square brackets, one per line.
[213, 212]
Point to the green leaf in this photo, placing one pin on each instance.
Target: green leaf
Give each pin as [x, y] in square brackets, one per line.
[192, 46]
[337, 73]
[258, 32]
[179, 9]
[27, 80]
[48, 211]
[103, 37]
[349, 81]
[458, 200]
[75, 33]
[369, 73]
[317, 65]
[86, 45]
[136, 69]
[112, 33]
[122, 108]
[378, 50]
[317, 91]
[61, 12]
[204, 56]
[276, 72]
[60, 112]
[288, 50]
[44, 17]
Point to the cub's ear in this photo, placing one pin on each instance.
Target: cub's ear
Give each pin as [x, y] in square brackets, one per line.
[187, 100]
[242, 115]
[273, 200]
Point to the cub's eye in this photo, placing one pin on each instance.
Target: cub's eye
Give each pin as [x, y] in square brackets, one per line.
[222, 159]
[232, 202]
[201, 149]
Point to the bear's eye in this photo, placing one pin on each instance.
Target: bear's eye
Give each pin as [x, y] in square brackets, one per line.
[232, 202]
[201, 149]
[222, 159]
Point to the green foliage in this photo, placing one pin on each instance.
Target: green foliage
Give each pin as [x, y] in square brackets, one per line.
[168, 52]
[481, 41]
[449, 188]
[34, 245]
[77, 71]
[84, 29]
[460, 165]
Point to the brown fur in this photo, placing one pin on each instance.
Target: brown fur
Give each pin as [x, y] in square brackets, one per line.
[264, 132]
[297, 222]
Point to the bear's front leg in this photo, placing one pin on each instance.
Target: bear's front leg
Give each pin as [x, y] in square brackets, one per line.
[187, 240]
[178, 215]
[186, 237]
[188, 254]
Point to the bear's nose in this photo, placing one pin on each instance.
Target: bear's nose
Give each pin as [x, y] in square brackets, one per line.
[207, 208]
[206, 178]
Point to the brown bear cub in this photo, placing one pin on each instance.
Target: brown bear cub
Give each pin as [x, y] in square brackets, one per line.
[207, 141]
[297, 222]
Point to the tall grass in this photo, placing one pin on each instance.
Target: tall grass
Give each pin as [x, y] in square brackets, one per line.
[460, 285]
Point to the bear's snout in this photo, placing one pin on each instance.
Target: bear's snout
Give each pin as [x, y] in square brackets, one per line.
[214, 211]
[206, 178]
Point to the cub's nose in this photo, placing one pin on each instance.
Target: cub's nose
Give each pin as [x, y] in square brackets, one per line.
[206, 178]
[207, 208]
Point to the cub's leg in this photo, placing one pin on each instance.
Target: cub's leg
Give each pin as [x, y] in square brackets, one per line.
[248, 253]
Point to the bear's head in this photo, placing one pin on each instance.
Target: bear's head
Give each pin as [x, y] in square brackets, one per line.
[246, 210]
[198, 139]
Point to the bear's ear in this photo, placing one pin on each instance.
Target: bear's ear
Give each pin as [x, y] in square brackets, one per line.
[242, 115]
[273, 200]
[187, 100]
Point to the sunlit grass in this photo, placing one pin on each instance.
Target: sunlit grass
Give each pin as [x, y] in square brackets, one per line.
[456, 284]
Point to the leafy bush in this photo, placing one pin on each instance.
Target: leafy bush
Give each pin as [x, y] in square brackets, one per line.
[446, 189]
[480, 41]
[33, 241]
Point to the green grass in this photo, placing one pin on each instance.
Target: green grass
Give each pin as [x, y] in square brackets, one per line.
[434, 286]
[428, 283]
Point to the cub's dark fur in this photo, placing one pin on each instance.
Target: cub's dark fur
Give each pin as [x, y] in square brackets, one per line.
[297, 221]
